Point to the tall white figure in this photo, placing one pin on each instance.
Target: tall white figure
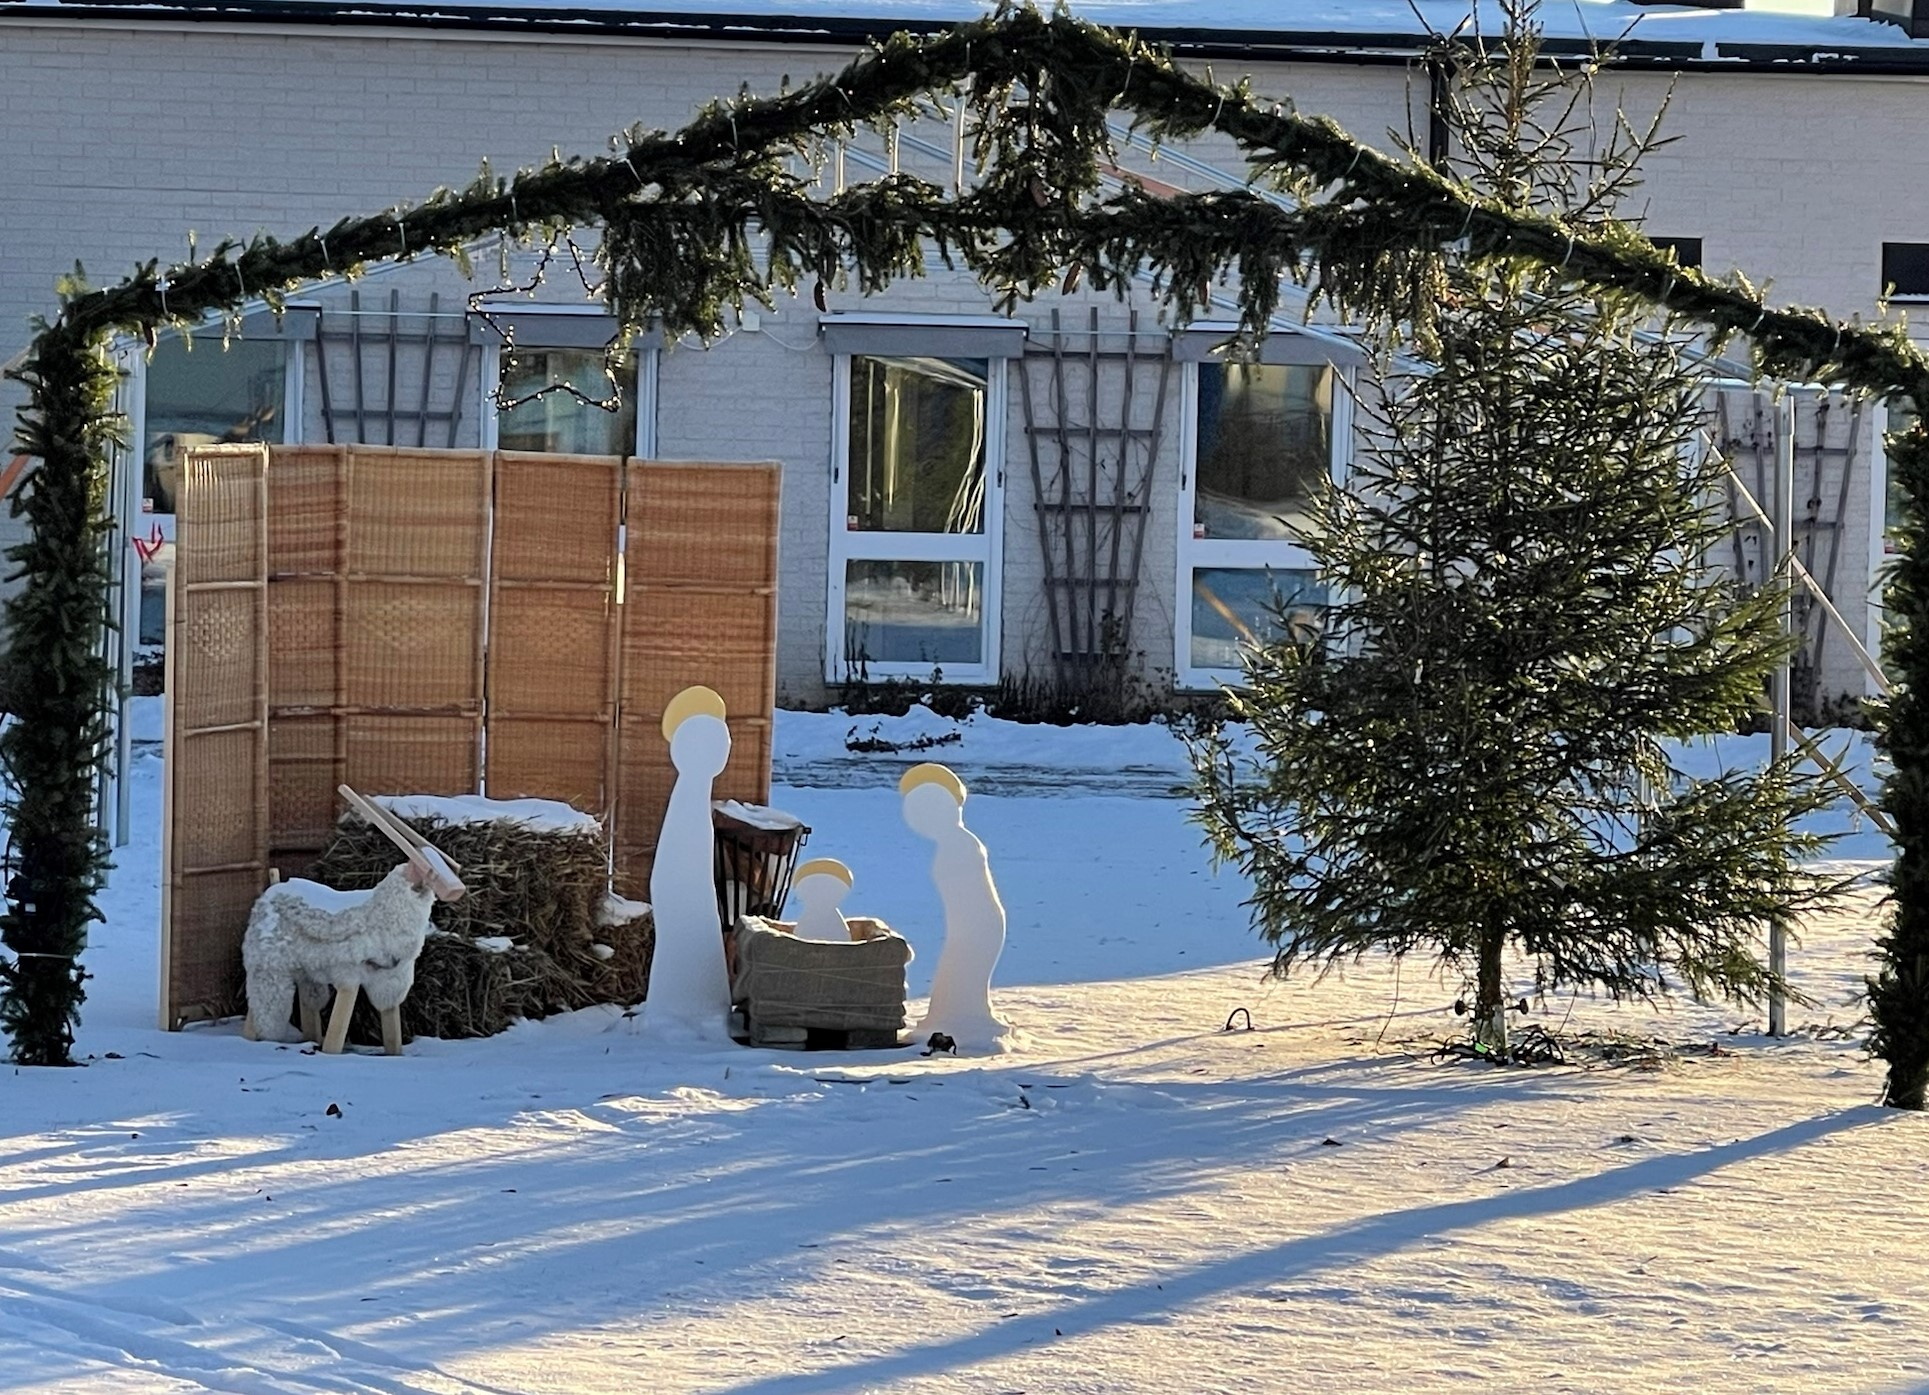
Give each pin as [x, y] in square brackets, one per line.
[974, 917]
[689, 986]
[820, 886]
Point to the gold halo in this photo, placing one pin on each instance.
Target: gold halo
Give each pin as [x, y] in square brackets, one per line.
[691, 702]
[932, 774]
[824, 867]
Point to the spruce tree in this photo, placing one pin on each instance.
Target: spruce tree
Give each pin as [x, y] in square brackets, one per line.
[1472, 753]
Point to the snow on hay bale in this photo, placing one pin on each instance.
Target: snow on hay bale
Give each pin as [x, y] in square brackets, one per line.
[538, 932]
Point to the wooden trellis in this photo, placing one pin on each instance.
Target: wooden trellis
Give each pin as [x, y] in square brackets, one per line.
[1092, 428]
[382, 382]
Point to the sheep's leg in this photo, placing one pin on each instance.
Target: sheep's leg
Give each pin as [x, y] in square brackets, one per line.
[392, 1031]
[310, 997]
[270, 996]
[337, 1038]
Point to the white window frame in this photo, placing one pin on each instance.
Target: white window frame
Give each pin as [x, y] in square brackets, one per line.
[644, 387]
[1251, 554]
[849, 545]
[1878, 532]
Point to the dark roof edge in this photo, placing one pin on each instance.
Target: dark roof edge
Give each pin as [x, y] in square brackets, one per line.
[1362, 49]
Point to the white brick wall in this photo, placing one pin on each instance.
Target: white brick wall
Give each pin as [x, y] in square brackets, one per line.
[118, 139]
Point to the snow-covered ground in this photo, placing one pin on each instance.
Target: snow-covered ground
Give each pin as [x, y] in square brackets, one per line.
[1133, 1200]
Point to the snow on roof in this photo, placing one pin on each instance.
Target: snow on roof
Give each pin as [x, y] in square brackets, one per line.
[1677, 32]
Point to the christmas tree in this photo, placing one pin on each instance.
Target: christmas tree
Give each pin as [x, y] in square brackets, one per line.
[1472, 754]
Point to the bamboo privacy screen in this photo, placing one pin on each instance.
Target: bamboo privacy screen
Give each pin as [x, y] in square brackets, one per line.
[441, 622]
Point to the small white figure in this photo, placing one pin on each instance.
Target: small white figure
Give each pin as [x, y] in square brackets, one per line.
[689, 985]
[974, 917]
[820, 886]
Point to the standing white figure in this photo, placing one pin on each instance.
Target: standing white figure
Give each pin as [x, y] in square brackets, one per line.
[974, 917]
[689, 985]
[821, 885]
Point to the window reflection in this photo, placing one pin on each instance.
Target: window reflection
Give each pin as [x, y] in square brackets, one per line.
[204, 396]
[561, 422]
[914, 612]
[1265, 442]
[1235, 608]
[917, 452]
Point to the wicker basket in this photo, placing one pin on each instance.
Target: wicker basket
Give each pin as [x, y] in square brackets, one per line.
[756, 854]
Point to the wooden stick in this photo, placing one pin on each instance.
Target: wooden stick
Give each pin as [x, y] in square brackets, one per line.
[337, 1038]
[399, 833]
[441, 872]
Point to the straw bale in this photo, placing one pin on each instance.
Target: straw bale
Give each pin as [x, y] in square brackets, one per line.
[630, 936]
[533, 936]
[463, 988]
[535, 886]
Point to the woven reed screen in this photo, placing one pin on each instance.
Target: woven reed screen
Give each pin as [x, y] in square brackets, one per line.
[216, 821]
[307, 530]
[700, 606]
[413, 611]
[414, 569]
[552, 636]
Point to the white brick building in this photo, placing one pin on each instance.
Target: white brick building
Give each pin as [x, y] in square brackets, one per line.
[911, 519]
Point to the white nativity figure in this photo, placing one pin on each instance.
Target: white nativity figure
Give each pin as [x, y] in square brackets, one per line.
[974, 917]
[689, 985]
[820, 886]
[304, 938]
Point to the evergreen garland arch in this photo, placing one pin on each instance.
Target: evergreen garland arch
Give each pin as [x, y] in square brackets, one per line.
[682, 215]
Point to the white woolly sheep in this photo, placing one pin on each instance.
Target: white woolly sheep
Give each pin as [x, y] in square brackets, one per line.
[306, 938]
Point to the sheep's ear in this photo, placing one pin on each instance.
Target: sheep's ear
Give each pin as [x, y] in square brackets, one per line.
[417, 871]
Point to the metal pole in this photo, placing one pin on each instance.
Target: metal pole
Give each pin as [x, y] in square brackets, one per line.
[1779, 686]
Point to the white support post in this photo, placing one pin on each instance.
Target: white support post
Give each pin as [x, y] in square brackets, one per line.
[129, 484]
[1780, 697]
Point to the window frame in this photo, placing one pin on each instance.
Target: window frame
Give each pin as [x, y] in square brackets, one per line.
[1879, 553]
[1680, 246]
[1245, 554]
[986, 548]
[1901, 297]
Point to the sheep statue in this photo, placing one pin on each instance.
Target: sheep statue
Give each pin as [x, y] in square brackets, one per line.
[304, 939]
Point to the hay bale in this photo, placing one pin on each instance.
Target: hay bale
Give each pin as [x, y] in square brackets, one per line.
[536, 870]
[628, 930]
[465, 988]
[538, 932]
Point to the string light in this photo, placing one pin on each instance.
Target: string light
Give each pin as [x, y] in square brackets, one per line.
[479, 306]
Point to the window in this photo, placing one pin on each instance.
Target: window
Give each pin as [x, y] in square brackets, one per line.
[196, 395]
[201, 395]
[1687, 250]
[562, 422]
[914, 566]
[1905, 269]
[1259, 439]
